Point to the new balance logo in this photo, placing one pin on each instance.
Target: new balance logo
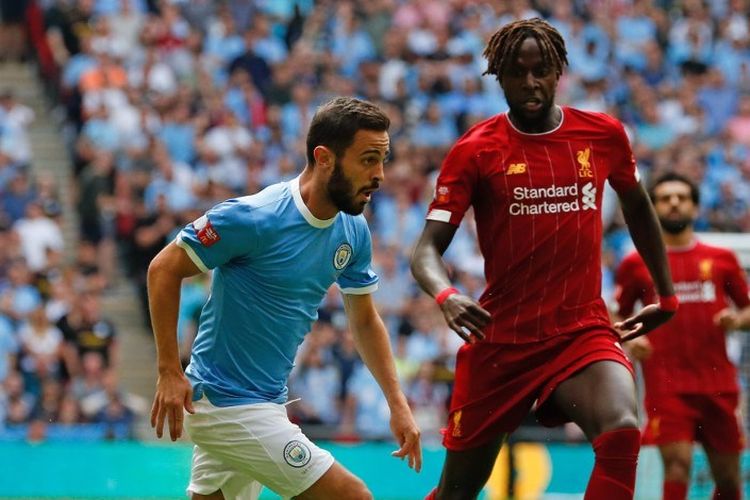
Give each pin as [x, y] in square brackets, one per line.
[516, 168]
[583, 160]
[588, 196]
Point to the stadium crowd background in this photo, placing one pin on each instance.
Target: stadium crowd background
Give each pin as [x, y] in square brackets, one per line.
[172, 106]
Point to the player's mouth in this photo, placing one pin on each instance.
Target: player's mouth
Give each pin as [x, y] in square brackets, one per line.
[367, 192]
[532, 104]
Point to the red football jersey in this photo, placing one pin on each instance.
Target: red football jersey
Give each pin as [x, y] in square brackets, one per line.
[690, 350]
[537, 201]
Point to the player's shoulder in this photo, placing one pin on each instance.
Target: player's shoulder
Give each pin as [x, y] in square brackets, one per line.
[262, 204]
[593, 119]
[486, 134]
[714, 251]
[355, 223]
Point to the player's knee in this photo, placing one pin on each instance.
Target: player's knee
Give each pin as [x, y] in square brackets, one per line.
[623, 420]
[677, 469]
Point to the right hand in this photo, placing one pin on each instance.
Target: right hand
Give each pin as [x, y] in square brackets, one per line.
[465, 317]
[639, 348]
[173, 393]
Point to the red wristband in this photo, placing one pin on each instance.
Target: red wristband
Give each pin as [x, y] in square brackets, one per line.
[669, 304]
[442, 296]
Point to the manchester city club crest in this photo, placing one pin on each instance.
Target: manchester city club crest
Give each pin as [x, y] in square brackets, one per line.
[342, 256]
[297, 454]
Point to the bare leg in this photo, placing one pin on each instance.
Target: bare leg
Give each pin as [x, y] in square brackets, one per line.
[725, 467]
[678, 459]
[599, 398]
[337, 483]
[466, 472]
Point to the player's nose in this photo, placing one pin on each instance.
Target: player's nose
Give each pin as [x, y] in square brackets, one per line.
[379, 174]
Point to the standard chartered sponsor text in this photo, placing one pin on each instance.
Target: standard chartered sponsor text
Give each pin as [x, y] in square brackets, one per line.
[525, 206]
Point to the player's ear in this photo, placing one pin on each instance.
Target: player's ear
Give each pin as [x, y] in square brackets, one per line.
[324, 157]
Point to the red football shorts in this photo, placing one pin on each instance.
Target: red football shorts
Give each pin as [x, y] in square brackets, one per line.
[497, 384]
[710, 419]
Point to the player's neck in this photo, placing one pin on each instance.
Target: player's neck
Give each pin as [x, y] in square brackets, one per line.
[679, 240]
[545, 124]
[314, 196]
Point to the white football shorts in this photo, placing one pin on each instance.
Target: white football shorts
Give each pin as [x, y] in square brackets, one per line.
[240, 449]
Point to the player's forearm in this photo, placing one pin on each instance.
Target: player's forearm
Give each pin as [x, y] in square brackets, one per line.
[374, 346]
[164, 302]
[643, 225]
[427, 265]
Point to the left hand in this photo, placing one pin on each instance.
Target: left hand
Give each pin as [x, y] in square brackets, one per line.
[647, 319]
[727, 319]
[407, 434]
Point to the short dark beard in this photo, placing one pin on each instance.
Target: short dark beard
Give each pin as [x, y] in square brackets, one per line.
[675, 226]
[341, 192]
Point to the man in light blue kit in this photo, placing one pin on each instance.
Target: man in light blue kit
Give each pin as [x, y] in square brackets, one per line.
[274, 255]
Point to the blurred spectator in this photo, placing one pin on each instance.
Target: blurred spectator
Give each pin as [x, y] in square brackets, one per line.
[39, 234]
[85, 330]
[41, 347]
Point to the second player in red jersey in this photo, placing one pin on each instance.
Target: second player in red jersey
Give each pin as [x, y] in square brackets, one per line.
[691, 386]
[540, 332]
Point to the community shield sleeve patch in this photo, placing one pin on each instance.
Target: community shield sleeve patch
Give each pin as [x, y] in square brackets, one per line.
[205, 232]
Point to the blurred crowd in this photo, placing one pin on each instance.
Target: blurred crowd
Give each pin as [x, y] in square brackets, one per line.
[174, 105]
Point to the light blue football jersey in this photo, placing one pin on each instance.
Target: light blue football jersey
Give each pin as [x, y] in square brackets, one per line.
[273, 262]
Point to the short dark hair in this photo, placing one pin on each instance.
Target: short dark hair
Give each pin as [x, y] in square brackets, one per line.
[695, 193]
[506, 41]
[336, 122]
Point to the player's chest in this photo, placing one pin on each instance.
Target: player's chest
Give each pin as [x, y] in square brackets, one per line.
[697, 278]
[548, 163]
[549, 177]
[314, 259]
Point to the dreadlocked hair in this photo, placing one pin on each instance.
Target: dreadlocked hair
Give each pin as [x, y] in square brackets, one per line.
[507, 40]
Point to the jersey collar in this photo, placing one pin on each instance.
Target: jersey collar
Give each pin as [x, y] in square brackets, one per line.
[684, 248]
[300, 204]
[559, 125]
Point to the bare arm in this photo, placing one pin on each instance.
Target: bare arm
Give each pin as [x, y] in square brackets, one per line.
[373, 344]
[644, 229]
[173, 390]
[460, 312]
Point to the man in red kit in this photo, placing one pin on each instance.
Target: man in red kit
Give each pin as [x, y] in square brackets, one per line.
[691, 386]
[540, 332]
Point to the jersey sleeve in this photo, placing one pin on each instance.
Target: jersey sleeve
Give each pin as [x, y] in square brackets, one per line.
[454, 188]
[358, 278]
[223, 233]
[623, 175]
[627, 291]
[735, 283]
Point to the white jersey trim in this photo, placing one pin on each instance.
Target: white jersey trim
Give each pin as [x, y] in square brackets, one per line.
[439, 215]
[191, 253]
[300, 204]
[365, 290]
